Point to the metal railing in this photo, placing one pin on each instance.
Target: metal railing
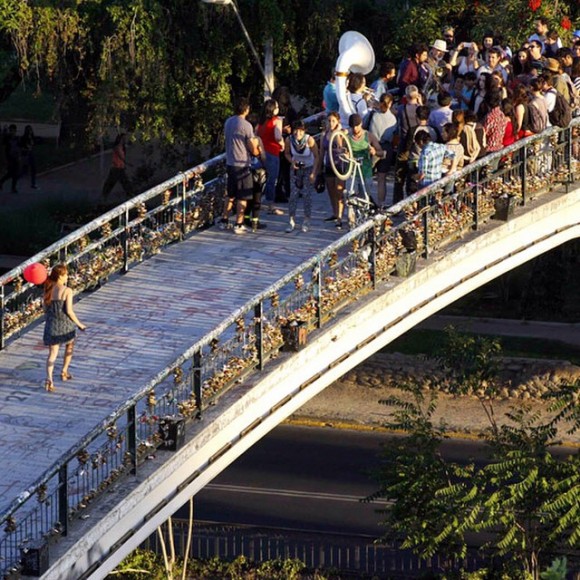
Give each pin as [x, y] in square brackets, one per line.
[315, 550]
[307, 297]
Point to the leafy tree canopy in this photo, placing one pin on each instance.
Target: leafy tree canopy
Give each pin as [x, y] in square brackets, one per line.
[170, 68]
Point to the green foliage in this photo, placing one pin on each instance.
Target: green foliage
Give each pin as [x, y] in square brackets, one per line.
[165, 70]
[556, 571]
[146, 564]
[524, 499]
[170, 69]
[423, 487]
[471, 361]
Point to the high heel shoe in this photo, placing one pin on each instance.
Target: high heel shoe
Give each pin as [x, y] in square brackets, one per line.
[66, 376]
[49, 386]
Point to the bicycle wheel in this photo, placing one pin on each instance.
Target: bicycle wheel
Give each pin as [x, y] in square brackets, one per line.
[345, 156]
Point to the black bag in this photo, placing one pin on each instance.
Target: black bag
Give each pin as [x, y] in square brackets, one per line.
[258, 178]
[366, 124]
[561, 114]
[320, 183]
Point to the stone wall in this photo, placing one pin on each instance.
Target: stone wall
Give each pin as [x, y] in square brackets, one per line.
[520, 378]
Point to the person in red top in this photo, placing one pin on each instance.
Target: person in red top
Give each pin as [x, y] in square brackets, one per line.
[510, 135]
[118, 168]
[270, 131]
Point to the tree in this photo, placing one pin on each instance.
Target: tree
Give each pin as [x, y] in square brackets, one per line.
[524, 499]
[422, 20]
[165, 69]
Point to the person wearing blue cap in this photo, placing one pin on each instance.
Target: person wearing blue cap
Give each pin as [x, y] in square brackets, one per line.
[576, 34]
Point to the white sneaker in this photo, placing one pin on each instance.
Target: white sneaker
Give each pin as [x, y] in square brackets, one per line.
[240, 229]
[291, 226]
[305, 226]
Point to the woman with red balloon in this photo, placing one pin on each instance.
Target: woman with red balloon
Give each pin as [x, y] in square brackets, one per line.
[61, 323]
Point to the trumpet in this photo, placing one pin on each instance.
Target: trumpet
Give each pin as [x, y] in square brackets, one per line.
[370, 97]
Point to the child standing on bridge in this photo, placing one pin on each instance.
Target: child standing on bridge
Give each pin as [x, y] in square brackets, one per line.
[61, 323]
[302, 154]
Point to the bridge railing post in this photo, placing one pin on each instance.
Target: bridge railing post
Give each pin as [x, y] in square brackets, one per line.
[524, 174]
[318, 290]
[259, 332]
[132, 437]
[474, 180]
[570, 179]
[425, 223]
[125, 240]
[2, 321]
[197, 381]
[184, 205]
[373, 256]
[63, 498]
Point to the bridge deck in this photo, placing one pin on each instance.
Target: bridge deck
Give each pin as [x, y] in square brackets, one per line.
[138, 323]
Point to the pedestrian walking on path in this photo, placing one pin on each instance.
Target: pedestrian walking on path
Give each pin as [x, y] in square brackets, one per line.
[27, 142]
[118, 168]
[61, 323]
[12, 150]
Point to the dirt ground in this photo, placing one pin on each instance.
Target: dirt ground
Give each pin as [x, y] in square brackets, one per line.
[354, 401]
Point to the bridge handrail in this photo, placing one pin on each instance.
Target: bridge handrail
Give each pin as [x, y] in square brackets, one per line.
[380, 229]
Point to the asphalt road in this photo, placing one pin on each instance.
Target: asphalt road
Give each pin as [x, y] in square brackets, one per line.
[305, 479]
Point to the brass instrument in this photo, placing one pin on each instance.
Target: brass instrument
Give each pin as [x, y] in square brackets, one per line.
[434, 82]
[355, 55]
[371, 98]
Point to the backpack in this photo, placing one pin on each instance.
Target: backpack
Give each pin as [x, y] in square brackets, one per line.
[561, 114]
[536, 122]
[366, 124]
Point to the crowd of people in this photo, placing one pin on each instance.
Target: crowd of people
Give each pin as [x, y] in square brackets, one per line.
[19, 155]
[446, 105]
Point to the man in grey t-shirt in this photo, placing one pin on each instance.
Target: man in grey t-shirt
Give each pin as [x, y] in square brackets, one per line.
[240, 145]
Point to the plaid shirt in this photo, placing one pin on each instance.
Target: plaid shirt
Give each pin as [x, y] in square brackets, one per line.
[431, 162]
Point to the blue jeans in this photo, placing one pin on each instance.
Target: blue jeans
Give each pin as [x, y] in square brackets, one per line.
[272, 169]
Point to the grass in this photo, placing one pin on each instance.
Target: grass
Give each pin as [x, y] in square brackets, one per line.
[427, 342]
[26, 232]
[25, 103]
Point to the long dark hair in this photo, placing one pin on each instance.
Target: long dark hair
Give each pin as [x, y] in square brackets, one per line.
[268, 109]
[56, 272]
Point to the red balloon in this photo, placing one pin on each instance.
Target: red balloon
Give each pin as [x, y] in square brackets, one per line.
[35, 274]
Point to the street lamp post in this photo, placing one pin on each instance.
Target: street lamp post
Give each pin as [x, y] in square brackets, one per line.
[248, 39]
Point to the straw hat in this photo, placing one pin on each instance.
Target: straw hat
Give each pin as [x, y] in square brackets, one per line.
[440, 45]
[553, 65]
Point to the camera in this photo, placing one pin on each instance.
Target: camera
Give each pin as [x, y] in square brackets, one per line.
[299, 176]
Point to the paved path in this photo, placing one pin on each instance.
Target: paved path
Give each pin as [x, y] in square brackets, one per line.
[568, 333]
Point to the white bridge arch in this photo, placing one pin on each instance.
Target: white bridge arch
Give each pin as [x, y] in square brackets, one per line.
[121, 520]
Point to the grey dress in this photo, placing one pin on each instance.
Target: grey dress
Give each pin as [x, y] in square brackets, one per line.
[58, 328]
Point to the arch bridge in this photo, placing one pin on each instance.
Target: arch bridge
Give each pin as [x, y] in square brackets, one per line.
[174, 385]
